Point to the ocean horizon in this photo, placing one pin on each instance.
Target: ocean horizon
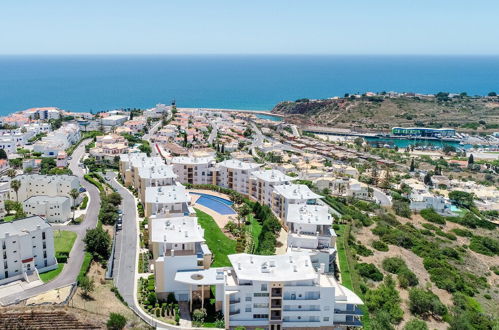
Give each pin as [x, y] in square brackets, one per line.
[85, 83]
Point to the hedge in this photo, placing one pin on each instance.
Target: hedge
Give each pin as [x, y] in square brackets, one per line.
[85, 266]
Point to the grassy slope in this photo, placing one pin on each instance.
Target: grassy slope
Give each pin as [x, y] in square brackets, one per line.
[63, 242]
[219, 244]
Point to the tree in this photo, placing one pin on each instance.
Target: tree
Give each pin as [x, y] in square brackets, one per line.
[87, 285]
[424, 303]
[116, 321]
[98, 243]
[385, 298]
[462, 198]
[74, 193]
[3, 154]
[114, 198]
[16, 185]
[402, 208]
[492, 94]
[413, 165]
[11, 173]
[427, 179]
[471, 160]
[198, 316]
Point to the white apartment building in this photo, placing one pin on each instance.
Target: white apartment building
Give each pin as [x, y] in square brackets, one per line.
[130, 164]
[234, 174]
[344, 186]
[58, 140]
[4, 195]
[46, 185]
[262, 183]
[177, 244]
[194, 170]
[156, 176]
[52, 209]
[167, 201]
[26, 249]
[43, 113]
[288, 194]
[310, 228]
[276, 292]
[113, 120]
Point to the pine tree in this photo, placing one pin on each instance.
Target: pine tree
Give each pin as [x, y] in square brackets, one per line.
[471, 159]
[413, 165]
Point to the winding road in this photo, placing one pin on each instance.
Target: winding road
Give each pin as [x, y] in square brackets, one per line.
[72, 268]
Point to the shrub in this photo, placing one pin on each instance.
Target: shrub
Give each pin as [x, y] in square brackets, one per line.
[425, 303]
[386, 300]
[462, 232]
[393, 265]
[116, 321]
[416, 324]
[407, 278]
[84, 203]
[432, 216]
[369, 271]
[380, 246]
[485, 245]
[402, 208]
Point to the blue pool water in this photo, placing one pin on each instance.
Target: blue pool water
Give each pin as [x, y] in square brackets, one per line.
[217, 204]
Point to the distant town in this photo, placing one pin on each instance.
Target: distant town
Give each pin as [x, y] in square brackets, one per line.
[174, 217]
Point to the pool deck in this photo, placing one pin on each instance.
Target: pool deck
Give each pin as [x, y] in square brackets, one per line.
[220, 219]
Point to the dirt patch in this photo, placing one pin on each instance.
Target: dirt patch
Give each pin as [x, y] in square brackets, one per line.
[102, 300]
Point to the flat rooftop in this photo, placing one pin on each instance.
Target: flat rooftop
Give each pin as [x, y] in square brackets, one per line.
[176, 230]
[271, 176]
[280, 268]
[167, 195]
[308, 214]
[239, 165]
[295, 191]
[192, 160]
[22, 226]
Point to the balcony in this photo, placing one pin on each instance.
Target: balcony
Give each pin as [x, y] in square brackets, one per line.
[276, 292]
[355, 311]
[234, 312]
[276, 303]
[235, 301]
[353, 323]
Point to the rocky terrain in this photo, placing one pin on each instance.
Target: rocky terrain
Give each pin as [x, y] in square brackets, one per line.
[381, 112]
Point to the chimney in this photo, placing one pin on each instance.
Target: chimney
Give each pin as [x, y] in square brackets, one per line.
[322, 268]
[239, 266]
[172, 252]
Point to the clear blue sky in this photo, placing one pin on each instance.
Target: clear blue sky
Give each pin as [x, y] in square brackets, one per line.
[249, 27]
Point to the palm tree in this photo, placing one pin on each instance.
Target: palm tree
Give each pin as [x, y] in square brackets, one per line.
[74, 193]
[11, 173]
[15, 184]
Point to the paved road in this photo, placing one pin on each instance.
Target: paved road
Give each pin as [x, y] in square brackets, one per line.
[381, 197]
[126, 243]
[214, 131]
[72, 268]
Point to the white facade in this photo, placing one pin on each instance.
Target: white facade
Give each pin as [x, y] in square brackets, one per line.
[156, 176]
[194, 170]
[48, 185]
[285, 195]
[53, 209]
[26, 247]
[113, 120]
[234, 174]
[426, 200]
[167, 201]
[262, 184]
[58, 140]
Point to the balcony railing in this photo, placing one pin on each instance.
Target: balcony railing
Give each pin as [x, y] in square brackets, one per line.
[234, 312]
[355, 311]
[235, 301]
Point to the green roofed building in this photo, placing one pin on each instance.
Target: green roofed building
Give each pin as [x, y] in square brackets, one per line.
[424, 132]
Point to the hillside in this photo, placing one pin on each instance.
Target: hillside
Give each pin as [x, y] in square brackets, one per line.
[383, 112]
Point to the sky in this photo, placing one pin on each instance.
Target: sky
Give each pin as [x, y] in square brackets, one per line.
[363, 27]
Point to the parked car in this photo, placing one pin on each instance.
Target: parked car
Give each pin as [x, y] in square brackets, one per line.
[119, 226]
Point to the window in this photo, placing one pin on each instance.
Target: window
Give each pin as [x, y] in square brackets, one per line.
[260, 294]
[43, 235]
[264, 287]
[326, 319]
[260, 316]
[261, 305]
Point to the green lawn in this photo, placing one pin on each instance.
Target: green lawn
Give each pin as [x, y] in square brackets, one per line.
[255, 228]
[346, 276]
[50, 275]
[63, 240]
[9, 218]
[63, 243]
[219, 244]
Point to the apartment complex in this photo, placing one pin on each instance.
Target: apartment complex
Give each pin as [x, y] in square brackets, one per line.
[262, 183]
[58, 140]
[167, 201]
[44, 185]
[194, 170]
[27, 248]
[155, 176]
[109, 146]
[52, 208]
[234, 174]
[287, 194]
[177, 244]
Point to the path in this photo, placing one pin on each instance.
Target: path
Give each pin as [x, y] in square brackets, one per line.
[72, 267]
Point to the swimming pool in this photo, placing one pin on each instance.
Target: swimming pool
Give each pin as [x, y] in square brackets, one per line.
[217, 204]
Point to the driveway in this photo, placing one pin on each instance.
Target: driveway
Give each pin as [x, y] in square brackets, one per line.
[72, 268]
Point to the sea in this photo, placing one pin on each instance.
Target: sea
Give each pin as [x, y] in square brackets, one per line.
[256, 82]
